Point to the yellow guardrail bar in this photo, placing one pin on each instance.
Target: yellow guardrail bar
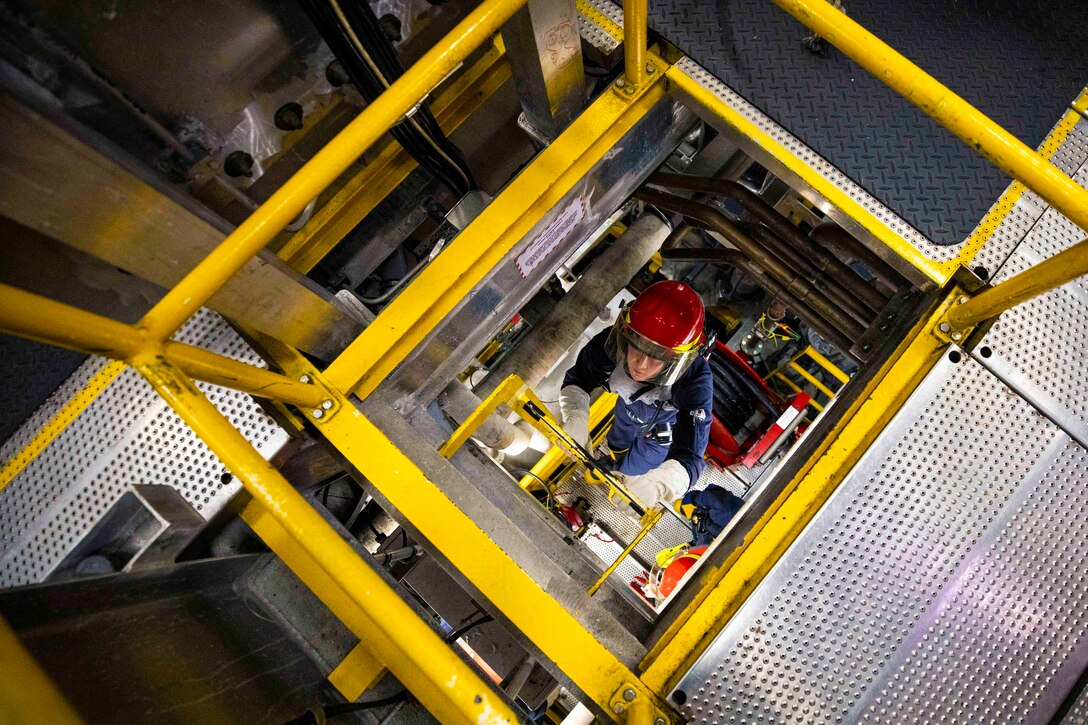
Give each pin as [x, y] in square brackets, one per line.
[288, 202]
[29, 315]
[1054, 272]
[954, 113]
[399, 639]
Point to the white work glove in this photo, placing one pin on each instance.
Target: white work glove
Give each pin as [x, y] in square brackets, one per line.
[664, 484]
[574, 406]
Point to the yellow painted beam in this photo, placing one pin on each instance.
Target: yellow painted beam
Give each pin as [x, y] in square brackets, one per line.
[387, 626]
[404, 323]
[359, 196]
[357, 673]
[726, 587]
[290, 199]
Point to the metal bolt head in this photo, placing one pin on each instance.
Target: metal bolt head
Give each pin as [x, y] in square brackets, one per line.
[304, 378]
[944, 327]
[326, 404]
[650, 67]
[961, 300]
[659, 721]
[628, 90]
[629, 694]
[318, 413]
[956, 335]
[619, 708]
[620, 83]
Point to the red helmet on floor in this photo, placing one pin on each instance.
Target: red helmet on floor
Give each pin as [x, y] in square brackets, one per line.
[658, 335]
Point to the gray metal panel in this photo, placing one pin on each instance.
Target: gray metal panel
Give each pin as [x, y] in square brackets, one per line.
[127, 435]
[1029, 208]
[1039, 348]
[479, 315]
[941, 582]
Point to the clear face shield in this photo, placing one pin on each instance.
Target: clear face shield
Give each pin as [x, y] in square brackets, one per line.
[644, 360]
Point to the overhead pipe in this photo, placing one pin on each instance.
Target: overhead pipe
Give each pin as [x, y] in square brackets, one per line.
[823, 260]
[778, 292]
[846, 302]
[557, 332]
[830, 234]
[710, 218]
[598, 285]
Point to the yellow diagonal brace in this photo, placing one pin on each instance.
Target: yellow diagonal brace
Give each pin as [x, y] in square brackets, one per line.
[439, 288]
[386, 625]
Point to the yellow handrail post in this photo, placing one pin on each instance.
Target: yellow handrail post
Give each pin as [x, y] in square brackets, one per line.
[1063, 267]
[634, 42]
[649, 519]
[957, 115]
[288, 202]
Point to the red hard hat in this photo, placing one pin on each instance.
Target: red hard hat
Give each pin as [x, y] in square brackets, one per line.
[668, 313]
[676, 571]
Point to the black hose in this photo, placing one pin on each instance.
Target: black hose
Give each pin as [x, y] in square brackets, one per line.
[355, 37]
[465, 629]
[328, 711]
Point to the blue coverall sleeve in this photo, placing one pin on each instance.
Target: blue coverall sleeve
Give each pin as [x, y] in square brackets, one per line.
[593, 365]
[693, 396]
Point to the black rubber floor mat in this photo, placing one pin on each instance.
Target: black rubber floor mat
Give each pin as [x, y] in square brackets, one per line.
[1020, 62]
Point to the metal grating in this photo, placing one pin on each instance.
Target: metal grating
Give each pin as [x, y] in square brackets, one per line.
[1028, 210]
[1078, 714]
[906, 541]
[127, 435]
[592, 32]
[1038, 347]
[1009, 636]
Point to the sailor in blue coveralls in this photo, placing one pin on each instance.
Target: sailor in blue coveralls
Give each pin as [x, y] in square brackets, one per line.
[651, 360]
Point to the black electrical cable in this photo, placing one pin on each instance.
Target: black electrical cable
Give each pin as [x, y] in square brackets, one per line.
[459, 633]
[342, 42]
[354, 33]
[329, 711]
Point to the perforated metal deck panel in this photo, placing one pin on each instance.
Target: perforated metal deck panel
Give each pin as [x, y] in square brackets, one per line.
[127, 435]
[942, 582]
[1019, 61]
[1040, 347]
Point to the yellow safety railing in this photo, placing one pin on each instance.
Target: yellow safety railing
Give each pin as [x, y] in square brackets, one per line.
[403, 642]
[794, 366]
[395, 636]
[514, 393]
